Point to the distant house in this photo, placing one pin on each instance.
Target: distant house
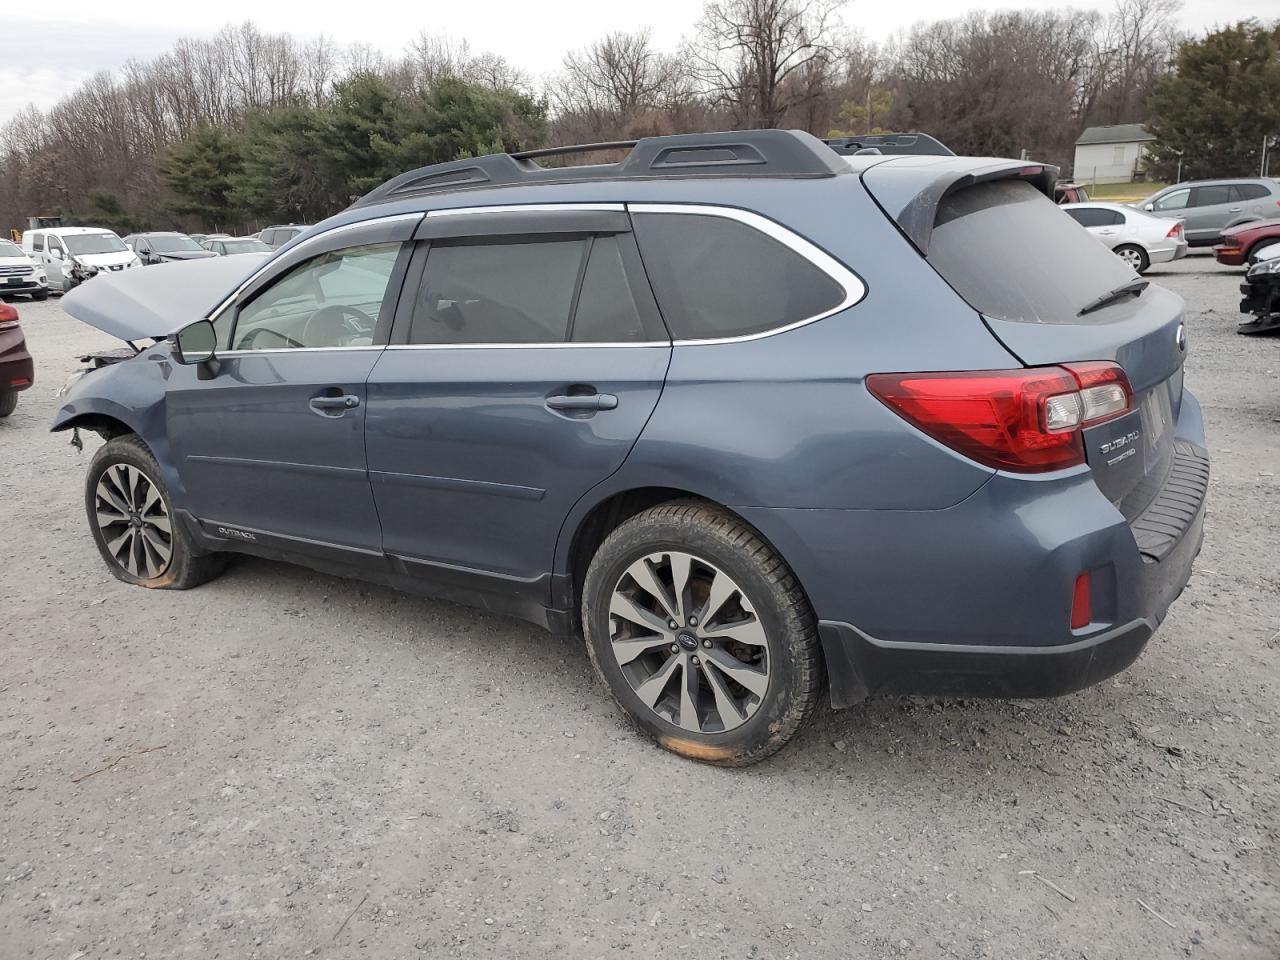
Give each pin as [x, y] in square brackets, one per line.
[1111, 154]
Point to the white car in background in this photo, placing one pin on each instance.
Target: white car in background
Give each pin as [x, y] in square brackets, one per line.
[71, 255]
[20, 274]
[1137, 238]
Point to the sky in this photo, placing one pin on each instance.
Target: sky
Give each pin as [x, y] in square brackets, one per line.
[49, 49]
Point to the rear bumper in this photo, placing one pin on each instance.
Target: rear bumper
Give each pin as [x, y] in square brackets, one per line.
[859, 665]
[1229, 256]
[17, 371]
[1166, 254]
[975, 600]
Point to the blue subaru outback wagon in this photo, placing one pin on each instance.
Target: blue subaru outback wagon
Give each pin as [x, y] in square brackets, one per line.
[760, 421]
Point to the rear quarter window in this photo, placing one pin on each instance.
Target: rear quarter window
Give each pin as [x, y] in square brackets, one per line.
[716, 277]
[1014, 255]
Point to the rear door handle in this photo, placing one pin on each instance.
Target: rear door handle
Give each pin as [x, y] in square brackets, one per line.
[1233, 210]
[594, 401]
[344, 402]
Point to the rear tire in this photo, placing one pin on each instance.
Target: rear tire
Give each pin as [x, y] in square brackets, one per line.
[140, 539]
[8, 402]
[1133, 255]
[741, 671]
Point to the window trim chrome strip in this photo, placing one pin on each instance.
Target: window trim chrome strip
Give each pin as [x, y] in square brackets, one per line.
[530, 208]
[550, 344]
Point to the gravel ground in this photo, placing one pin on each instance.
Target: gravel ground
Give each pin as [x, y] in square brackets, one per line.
[338, 770]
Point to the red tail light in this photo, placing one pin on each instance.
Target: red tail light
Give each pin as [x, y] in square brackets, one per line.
[1025, 420]
[1174, 231]
[8, 316]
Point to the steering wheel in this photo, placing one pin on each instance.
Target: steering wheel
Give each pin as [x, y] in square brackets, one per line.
[329, 324]
[252, 337]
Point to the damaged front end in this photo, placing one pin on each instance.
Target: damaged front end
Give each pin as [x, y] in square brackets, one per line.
[1261, 290]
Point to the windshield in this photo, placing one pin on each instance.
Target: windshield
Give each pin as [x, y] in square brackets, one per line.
[245, 246]
[1014, 255]
[87, 244]
[7, 249]
[173, 242]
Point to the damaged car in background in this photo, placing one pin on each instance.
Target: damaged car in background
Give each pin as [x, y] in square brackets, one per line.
[1261, 289]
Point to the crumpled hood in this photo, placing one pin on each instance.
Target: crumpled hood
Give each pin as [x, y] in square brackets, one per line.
[157, 301]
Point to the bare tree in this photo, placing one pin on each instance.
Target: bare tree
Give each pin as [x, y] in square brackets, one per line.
[747, 52]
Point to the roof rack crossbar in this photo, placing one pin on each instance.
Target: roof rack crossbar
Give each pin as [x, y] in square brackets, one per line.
[736, 153]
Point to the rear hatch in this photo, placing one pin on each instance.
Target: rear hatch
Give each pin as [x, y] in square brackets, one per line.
[1049, 292]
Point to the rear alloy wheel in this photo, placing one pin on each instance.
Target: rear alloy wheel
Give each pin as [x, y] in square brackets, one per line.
[130, 517]
[702, 634]
[682, 629]
[1134, 256]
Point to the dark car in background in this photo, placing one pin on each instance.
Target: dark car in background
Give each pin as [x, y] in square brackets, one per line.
[277, 236]
[230, 246]
[166, 247]
[1240, 243]
[758, 419]
[17, 370]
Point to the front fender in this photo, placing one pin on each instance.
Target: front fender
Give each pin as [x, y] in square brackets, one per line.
[131, 393]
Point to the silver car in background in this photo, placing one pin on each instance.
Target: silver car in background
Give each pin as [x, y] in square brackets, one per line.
[1137, 238]
[1207, 207]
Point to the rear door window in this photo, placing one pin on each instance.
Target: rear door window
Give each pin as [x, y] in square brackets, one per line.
[37, 243]
[512, 291]
[1007, 249]
[1210, 196]
[717, 277]
[1092, 218]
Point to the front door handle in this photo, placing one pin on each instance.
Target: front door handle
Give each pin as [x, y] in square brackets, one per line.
[1233, 209]
[326, 404]
[593, 401]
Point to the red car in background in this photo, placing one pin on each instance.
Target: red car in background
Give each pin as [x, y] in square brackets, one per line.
[17, 372]
[1238, 243]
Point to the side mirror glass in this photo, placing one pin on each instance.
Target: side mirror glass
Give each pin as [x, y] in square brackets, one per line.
[195, 343]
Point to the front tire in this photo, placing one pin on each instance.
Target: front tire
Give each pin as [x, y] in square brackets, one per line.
[40, 295]
[1134, 256]
[8, 402]
[702, 634]
[140, 539]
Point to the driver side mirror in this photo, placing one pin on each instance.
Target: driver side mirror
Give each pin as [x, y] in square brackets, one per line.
[195, 343]
[55, 253]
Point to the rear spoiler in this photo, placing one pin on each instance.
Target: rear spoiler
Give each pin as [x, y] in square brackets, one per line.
[909, 189]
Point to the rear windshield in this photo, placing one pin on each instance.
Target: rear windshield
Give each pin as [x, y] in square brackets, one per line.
[1015, 255]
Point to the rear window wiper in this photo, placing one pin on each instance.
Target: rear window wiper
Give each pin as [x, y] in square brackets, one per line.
[1133, 288]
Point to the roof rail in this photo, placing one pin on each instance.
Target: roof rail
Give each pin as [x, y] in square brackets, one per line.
[917, 144]
[736, 153]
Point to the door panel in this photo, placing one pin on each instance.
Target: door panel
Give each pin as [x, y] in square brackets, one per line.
[471, 467]
[253, 452]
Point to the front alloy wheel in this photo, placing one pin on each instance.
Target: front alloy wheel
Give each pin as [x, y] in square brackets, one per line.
[134, 521]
